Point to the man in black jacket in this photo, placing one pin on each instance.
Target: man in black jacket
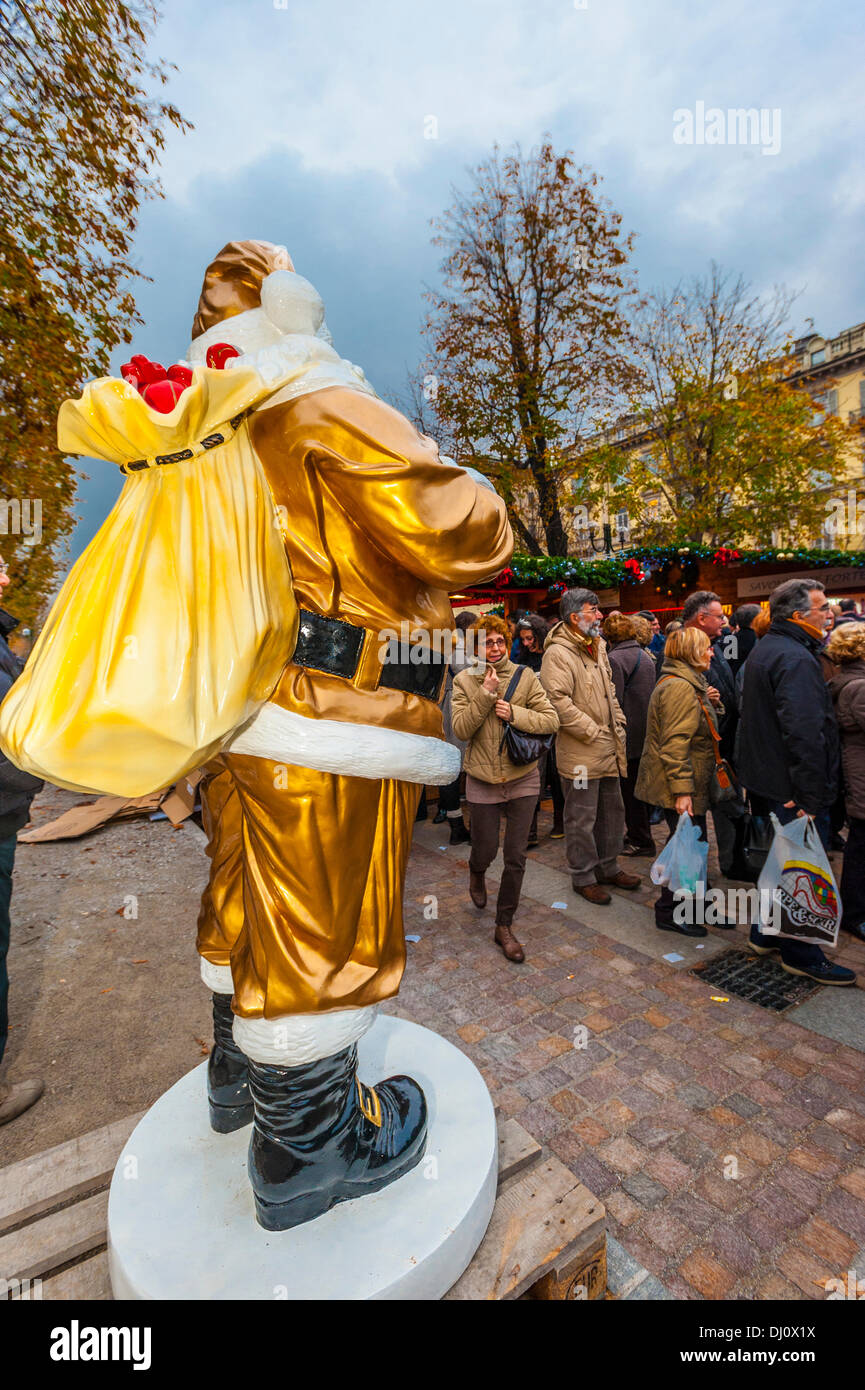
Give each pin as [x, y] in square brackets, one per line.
[789, 746]
[703, 609]
[17, 790]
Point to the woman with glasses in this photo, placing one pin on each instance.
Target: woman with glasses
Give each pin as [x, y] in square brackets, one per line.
[495, 785]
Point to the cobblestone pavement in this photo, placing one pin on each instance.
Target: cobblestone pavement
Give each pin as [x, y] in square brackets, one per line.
[674, 1091]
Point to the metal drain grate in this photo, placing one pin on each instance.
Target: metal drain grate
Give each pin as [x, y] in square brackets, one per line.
[759, 979]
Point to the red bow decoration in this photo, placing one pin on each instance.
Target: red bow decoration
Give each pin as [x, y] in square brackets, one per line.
[725, 556]
[635, 570]
[503, 579]
[162, 389]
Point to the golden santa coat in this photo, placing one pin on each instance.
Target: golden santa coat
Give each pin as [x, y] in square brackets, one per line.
[314, 776]
[377, 530]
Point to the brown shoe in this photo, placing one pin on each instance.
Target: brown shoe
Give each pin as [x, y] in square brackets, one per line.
[477, 889]
[18, 1096]
[594, 893]
[622, 880]
[509, 944]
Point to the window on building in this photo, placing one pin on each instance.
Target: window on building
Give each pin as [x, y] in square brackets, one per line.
[825, 403]
[862, 394]
[818, 357]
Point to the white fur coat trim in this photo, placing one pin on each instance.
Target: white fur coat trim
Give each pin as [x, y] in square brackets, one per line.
[294, 1040]
[217, 977]
[347, 750]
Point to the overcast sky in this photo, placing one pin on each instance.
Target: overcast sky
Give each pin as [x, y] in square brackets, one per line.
[310, 126]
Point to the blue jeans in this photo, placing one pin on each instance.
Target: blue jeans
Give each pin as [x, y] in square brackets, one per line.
[803, 954]
[7, 859]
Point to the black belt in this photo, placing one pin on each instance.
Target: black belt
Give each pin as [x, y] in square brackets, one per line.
[334, 647]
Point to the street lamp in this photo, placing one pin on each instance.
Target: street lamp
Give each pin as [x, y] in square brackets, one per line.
[607, 544]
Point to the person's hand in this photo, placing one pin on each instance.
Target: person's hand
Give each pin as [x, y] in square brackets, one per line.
[491, 681]
[714, 695]
[788, 806]
[684, 806]
[503, 710]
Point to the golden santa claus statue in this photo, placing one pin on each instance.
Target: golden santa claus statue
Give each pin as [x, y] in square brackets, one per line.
[284, 523]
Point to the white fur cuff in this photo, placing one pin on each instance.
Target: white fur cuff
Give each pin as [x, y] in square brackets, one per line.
[296, 1039]
[347, 750]
[217, 977]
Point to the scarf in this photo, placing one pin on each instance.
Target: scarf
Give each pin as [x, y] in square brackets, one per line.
[812, 631]
[589, 644]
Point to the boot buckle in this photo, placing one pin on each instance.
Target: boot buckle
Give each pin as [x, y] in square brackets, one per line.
[370, 1105]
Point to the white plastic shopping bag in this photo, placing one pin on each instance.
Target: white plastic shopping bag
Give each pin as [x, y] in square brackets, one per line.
[682, 862]
[798, 894]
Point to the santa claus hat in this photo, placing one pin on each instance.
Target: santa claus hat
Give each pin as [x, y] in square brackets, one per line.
[232, 282]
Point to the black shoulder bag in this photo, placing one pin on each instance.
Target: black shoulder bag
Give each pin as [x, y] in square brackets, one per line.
[522, 748]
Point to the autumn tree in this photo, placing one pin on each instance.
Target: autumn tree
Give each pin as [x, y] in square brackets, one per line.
[81, 128]
[527, 335]
[717, 442]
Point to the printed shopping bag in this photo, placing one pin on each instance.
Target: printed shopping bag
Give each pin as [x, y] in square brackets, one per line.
[798, 894]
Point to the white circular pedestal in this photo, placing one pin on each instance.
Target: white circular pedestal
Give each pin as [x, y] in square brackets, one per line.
[181, 1222]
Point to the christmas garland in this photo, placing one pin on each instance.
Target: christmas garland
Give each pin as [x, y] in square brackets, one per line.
[641, 562]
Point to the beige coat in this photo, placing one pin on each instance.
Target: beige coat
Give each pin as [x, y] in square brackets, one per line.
[591, 733]
[678, 755]
[475, 720]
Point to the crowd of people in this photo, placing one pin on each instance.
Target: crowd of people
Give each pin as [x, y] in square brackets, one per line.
[625, 727]
[634, 727]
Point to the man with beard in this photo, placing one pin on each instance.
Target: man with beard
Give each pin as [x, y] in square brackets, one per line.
[590, 746]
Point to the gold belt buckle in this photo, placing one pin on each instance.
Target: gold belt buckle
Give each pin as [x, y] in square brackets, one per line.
[370, 1108]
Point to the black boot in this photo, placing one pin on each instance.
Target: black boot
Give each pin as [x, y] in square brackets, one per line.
[322, 1137]
[227, 1073]
[459, 831]
[740, 870]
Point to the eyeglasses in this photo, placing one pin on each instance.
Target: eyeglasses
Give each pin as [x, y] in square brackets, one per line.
[4, 567]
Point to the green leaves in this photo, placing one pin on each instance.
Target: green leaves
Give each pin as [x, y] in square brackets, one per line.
[531, 571]
[720, 437]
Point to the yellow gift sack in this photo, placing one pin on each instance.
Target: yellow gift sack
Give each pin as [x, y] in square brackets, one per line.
[175, 624]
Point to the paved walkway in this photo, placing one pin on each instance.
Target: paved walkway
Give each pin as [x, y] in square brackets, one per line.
[727, 1142]
[672, 1091]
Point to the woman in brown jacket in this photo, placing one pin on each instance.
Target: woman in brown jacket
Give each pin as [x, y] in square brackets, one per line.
[678, 756]
[493, 783]
[846, 647]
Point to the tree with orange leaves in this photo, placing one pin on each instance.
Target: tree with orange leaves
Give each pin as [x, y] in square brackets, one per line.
[528, 336]
[80, 133]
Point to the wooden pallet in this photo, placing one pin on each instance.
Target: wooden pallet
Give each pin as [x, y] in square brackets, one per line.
[546, 1238]
[547, 1235]
[53, 1211]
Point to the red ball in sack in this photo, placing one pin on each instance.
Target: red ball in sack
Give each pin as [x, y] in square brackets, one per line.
[145, 370]
[163, 395]
[220, 353]
[182, 375]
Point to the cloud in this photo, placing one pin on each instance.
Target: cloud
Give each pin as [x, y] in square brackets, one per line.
[310, 129]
